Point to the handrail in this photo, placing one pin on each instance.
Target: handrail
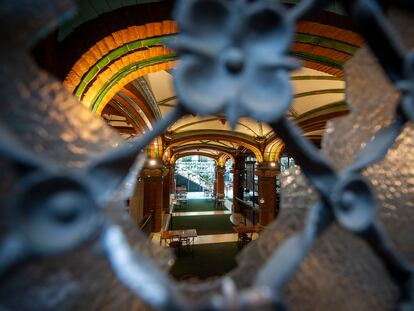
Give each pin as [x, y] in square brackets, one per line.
[184, 172]
[248, 206]
[146, 223]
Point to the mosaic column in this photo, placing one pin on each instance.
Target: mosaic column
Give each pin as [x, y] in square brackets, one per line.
[268, 198]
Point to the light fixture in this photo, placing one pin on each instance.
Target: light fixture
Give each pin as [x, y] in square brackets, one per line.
[272, 164]
[152, 162]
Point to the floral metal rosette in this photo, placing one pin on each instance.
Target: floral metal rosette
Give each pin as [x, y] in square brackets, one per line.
[234, 58]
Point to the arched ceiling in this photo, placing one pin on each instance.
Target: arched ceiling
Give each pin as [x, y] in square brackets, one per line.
[220, 153]
[119, 67]
[122, 56]
[219, 157]
[91, 9]
[313, 91]
[204, 153]
[215, 146]
[317, 94]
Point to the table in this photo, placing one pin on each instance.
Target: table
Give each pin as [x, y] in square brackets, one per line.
[181, 202]
[175, 204]
[183, 234]
[219, 203]
[245, 233]
[245, 229]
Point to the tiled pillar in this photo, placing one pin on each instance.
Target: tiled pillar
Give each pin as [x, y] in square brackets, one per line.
[238, 181]
[268, 198]
[153, 193]
[220, 180]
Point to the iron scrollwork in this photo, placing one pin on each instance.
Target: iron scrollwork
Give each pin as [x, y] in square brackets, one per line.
[234, 60]
[345, 197]
[229, 47]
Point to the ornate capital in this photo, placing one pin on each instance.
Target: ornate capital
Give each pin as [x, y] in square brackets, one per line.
[155, 171]
[267, 169]
[237, 172]
[170, 167]
[168, 136]
[220, 170]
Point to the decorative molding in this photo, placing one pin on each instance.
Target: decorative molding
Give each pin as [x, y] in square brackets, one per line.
[265, 169]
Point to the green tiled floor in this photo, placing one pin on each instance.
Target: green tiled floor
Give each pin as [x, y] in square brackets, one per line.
[205, 225]
[205, 261]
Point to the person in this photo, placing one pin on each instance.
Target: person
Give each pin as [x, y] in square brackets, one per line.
[246, 195]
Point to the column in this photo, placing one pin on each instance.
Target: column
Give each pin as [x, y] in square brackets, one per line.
[166, 184]
[215, 183]
[136, 202]
[238, 181]
[153, 193]
[268, 198]
[172, 178]
[220, 181]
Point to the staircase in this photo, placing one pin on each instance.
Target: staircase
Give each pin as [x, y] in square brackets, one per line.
[194, 178]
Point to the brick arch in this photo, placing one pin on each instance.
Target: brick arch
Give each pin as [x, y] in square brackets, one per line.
[63, 52]
[323, 43]
[192, 149]
[178, 156]
[196, 146]
[237, 138]
[113, 62]
[274, 149]
[310, 121]
[323, 47]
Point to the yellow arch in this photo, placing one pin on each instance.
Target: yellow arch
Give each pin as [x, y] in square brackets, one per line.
[273, 149]
[223, 159]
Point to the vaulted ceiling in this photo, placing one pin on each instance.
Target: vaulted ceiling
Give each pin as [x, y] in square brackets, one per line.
[113, 58]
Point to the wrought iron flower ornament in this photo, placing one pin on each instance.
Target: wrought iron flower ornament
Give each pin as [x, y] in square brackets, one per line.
[240, 48]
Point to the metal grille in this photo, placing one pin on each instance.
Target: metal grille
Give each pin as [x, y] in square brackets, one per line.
[234, 60]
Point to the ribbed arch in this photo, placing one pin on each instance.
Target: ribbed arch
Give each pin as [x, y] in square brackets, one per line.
[195, 146]
[224, 158]
[131, 52]
[178, 156]
[194, 149]
[106, 66]
[238, 138]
